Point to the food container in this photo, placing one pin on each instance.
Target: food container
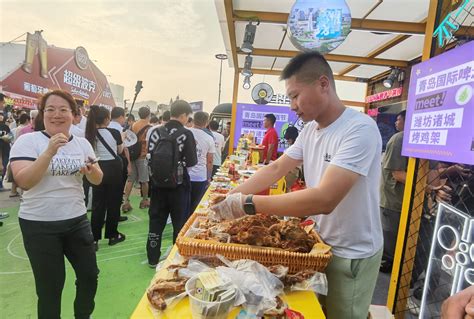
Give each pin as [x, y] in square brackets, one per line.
[201, 309]
[268, 256]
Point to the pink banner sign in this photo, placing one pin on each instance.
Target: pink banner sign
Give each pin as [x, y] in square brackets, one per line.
[385, 95]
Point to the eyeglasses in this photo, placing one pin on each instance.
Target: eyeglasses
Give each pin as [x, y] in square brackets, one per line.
[62, 111]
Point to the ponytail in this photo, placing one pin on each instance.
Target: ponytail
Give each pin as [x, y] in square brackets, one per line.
[97, 116]
[91, 125]
[39, 122]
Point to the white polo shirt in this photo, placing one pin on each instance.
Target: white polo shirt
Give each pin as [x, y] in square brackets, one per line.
[352, 142]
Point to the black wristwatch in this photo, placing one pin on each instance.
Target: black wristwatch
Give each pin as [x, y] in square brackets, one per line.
[249, 207]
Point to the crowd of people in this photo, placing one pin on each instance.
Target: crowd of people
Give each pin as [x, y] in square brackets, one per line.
[354, 193]
[56, 154]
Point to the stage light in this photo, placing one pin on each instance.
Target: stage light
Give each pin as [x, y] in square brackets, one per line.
[246, 85]
[388, 82]
[249, 37]
[247, 70]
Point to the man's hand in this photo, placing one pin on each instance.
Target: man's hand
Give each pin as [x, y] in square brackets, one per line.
[230, 208]
[460, 305]
[443, 193]
[470, 309]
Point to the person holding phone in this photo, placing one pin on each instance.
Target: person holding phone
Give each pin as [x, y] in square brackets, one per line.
[106, 197]
[48, 165]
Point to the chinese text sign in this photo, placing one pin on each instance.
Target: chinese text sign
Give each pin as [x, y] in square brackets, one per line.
[249, 119]
[440, 117]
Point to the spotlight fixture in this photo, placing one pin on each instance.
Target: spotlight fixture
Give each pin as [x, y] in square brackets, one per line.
[249, 37]
[401, 76]
[388, 82]
[247, 70]
[246, 85]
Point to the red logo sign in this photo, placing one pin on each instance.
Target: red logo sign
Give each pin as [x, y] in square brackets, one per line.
[385, 95]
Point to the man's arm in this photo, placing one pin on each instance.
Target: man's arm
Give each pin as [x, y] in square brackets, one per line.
[399, 176]
[395, 162]
[267, 176]
[210, 161]
[271, 147]
[190, 147]
[334, 186]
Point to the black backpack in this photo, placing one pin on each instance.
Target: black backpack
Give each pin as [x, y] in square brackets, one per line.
[165, 164]
[136, 148]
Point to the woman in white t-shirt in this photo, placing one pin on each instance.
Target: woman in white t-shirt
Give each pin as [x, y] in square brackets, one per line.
[106, 197]
[49, 166]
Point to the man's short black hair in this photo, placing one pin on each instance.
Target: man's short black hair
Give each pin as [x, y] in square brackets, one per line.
[213, 125]
[291, 133]
[24, 118]
[2, 97]
[143, 112]
[117, 112]
[166, 116]
[402, 114]
[271, 117]
[201, 118]
[180, 107]
[154, 119]
[130, 117]
[308, 67]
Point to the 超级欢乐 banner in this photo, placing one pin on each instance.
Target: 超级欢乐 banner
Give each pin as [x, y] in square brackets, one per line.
[439, 122]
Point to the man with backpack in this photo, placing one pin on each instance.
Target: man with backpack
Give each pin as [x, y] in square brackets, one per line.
[172, 149]
[138, 160]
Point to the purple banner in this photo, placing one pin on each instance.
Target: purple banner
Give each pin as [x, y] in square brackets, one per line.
[196, 106]
[440, 117]
[249, 118]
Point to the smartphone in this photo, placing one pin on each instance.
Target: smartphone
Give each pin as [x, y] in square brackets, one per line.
[92, 160]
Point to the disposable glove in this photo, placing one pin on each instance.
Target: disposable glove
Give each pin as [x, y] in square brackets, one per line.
[230, 208]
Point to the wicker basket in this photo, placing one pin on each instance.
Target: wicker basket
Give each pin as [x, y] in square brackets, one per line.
[267, 256]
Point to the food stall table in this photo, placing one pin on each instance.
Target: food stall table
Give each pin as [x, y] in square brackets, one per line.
[305, 302]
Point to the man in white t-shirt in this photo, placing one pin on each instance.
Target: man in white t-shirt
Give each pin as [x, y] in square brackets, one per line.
[340, 150]
[200, 174]
[219, 143]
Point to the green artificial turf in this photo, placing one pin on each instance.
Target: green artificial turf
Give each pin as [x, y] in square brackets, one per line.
[124, 272]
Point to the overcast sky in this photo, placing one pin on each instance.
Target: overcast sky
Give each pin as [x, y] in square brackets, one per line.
[168, 44]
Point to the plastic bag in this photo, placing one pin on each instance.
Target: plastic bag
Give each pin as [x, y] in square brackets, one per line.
[194, 267]
[258, 286]
[317, 283]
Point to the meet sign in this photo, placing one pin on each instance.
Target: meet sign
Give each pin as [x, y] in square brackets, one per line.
[440, 116]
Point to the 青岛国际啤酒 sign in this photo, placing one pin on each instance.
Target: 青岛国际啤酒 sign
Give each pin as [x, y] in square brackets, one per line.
[439, 122]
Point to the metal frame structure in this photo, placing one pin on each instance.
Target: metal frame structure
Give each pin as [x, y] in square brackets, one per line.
[402, 31]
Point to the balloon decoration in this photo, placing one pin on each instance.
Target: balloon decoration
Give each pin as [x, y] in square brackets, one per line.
[319, 25]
